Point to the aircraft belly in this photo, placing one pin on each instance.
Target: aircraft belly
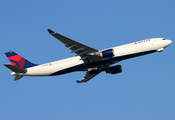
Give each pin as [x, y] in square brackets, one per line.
[35, 71]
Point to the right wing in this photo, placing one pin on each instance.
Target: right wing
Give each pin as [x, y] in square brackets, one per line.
[89, 75]
[92, 73]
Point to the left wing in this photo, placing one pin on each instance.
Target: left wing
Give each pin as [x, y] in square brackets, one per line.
[80, 49]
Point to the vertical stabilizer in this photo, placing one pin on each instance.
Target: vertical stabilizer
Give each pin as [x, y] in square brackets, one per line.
[18, 61]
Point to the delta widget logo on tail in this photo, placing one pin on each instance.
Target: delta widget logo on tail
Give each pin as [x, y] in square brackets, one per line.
[18, 61]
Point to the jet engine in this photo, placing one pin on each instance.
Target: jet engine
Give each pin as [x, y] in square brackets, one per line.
[114, 69]
[106, 53]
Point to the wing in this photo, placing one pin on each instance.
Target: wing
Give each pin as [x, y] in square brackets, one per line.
[92, 73]
[88, 76]
[81, 50]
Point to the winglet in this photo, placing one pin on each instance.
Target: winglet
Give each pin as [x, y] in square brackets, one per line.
[78, 81]
[50, 31]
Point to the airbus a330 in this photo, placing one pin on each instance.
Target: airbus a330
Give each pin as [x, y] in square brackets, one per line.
[88, 59]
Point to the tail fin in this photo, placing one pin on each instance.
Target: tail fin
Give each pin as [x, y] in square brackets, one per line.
[18, 61]
[18, 71]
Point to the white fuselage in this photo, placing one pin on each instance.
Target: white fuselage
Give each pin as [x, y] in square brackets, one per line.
[155, 44]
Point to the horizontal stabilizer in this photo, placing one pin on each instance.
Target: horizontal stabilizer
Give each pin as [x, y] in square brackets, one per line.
[17, 77]
[15, 69]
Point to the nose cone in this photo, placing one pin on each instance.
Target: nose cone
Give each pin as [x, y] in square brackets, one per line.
[169, 42]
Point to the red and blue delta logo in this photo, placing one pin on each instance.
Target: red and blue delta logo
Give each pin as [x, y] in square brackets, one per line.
[17, 61]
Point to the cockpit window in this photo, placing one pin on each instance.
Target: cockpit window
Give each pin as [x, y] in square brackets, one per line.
[164, 39]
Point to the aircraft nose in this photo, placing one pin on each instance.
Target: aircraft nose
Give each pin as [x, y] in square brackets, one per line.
[166, 43]
[169, 42]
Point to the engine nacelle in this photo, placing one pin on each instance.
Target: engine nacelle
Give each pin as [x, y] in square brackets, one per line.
[114, 69]
[107, 53]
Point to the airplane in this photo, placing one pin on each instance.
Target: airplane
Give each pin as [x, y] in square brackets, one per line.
[88, 59]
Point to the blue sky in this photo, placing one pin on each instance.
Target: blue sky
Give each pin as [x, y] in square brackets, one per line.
[143, 91]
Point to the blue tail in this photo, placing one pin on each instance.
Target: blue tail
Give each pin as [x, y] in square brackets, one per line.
[18, 61]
